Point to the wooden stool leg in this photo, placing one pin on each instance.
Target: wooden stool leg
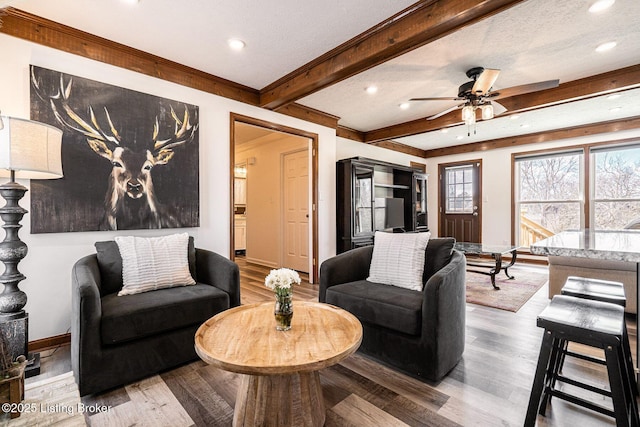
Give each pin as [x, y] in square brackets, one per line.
[614, 370]
[628, 356]
[629, 383]
[539, 379]
[555, 364]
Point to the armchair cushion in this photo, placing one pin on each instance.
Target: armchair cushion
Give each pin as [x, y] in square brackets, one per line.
[110, 263]
[389, 306]
[142, 315]
[398, 259]
[153, 263]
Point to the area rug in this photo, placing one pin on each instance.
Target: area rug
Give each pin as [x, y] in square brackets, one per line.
[513, 293]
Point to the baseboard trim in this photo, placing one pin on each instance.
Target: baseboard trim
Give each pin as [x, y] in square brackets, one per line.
[50, 342]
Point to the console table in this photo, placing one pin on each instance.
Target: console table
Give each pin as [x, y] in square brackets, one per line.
[496, 252]
[618, 245]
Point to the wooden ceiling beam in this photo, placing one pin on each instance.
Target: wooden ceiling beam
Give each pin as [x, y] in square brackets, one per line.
[422, 23]
[537, 137]
[400, 148]
[588, 87]
[348, 133]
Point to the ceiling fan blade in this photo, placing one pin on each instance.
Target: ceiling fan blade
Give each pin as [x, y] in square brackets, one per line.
[436, 99]
[485, 80]
[522, 89]
[442, 113]
[498, 108]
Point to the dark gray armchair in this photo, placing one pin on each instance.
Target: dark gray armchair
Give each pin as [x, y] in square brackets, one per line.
[118, 340]
[420, 333]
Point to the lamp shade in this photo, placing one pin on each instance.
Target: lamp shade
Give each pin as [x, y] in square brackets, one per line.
[32, 149]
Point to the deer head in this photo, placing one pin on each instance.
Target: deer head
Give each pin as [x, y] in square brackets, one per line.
[130, 176]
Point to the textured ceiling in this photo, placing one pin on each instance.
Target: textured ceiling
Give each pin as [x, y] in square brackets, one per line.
[532, 41]
[280, 35]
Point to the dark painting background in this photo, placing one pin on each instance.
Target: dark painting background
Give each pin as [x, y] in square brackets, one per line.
[76, 201]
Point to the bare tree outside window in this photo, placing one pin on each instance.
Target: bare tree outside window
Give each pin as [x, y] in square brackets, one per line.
[616, 202]
[549, 190]
[551, 199]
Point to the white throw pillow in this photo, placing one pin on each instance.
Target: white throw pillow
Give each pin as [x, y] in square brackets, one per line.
[154, 263]
[398, 259]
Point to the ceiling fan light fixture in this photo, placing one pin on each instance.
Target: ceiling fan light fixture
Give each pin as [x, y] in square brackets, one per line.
[469, 114]
[601, 5]
[487, 111]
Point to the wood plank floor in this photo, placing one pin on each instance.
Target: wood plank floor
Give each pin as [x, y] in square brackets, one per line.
[490, 386]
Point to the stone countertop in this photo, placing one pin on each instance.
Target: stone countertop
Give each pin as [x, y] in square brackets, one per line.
[620, 245]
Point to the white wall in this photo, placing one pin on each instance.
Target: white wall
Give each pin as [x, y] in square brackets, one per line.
[51, 256]
[496, 182]
[346, 149]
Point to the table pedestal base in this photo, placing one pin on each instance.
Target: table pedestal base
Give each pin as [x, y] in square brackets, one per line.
[277, 400]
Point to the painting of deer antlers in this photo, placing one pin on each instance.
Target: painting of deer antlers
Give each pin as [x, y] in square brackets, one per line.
[130, 159]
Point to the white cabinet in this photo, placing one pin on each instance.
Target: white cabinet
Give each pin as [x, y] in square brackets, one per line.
[240, 235]
[240, 191]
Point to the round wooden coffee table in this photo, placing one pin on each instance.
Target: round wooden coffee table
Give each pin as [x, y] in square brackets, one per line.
[279, 365]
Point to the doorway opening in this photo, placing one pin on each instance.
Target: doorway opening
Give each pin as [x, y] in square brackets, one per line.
[274, 195]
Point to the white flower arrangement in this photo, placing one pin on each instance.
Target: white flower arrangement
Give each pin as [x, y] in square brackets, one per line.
[281, 280]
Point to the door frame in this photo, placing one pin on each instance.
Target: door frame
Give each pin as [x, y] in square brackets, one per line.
[441, 196]
[276, 127]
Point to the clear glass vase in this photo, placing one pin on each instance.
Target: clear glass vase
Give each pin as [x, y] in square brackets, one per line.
[283, 311]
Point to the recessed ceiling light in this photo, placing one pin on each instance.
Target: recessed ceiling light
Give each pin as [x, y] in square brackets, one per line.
[614, 96]
[514, 117]
[236, 44]
[601, 5]
[404, 105]
[130, 1]
[615, 109]
[606, 46]
[371, 89]
[459, 137]
[524, 125]
[444, 130]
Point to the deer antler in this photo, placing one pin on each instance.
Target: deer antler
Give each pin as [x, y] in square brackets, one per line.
[184, 132]
[70, 119]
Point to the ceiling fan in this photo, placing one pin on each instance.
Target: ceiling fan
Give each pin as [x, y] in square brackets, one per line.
[477, 93]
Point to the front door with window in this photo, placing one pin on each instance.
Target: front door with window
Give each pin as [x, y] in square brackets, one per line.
[460, 208]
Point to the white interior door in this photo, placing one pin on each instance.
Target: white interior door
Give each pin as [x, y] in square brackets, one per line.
[296, 210]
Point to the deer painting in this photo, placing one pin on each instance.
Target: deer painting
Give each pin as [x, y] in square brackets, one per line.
[130, 200]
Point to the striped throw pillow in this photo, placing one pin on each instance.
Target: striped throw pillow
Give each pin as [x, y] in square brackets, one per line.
[398, 259]
[154, 263]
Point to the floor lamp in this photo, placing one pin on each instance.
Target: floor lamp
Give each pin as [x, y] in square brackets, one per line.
[28, 150]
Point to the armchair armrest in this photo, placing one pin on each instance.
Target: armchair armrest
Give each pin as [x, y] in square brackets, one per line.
[215, 270]
[344, 268]
[444, 307]
[86, 311]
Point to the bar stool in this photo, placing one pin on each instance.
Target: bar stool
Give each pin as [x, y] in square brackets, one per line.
[597, 290]
[592, 323]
